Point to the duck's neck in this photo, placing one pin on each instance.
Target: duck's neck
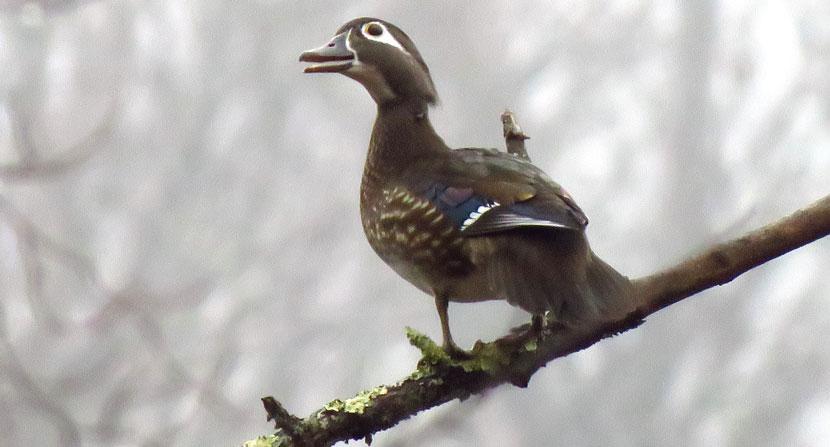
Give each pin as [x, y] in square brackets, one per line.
[401, 136]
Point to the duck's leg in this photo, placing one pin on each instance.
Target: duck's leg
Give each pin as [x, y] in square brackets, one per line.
[526, 332]
[441, 304]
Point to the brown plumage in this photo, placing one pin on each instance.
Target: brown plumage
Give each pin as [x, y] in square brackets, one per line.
[467, 224]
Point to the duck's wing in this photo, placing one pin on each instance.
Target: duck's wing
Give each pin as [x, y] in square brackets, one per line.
[485, 191]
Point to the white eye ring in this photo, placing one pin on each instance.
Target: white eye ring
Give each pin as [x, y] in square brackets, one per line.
[383, 37]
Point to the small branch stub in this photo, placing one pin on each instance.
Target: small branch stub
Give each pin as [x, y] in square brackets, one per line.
[283, 420]
[514, 137]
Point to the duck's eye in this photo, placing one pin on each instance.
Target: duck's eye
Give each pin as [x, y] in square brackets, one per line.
[379, 32]
[374, 29]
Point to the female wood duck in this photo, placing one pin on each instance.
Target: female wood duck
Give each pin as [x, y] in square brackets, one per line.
[467, 224]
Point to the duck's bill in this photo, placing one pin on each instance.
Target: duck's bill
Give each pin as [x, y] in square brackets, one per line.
[332, 57]
[334, 66]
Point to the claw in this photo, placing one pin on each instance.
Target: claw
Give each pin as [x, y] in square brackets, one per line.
[526, 332]
[455, 352]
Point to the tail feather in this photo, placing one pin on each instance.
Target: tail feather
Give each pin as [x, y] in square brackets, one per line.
[556, 271]
[610, 289]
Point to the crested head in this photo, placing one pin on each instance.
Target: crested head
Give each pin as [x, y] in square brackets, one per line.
[380, 56]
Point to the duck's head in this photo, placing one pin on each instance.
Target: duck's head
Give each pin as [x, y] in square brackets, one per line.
[380, 56]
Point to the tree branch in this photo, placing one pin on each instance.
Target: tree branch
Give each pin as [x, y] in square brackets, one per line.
[439, 379]
[32, 167]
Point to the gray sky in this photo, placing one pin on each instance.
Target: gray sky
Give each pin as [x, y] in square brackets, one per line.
[179, 230]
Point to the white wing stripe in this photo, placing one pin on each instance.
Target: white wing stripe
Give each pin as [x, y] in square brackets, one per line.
[475, 215]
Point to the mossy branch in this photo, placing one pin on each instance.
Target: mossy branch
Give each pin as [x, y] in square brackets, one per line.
[439, 378]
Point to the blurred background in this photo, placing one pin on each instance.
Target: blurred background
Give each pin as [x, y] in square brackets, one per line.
[179, 230]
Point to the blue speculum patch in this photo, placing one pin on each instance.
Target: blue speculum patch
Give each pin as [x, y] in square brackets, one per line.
[461, 205]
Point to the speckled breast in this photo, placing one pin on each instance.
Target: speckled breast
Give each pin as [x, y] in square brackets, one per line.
[414, 237]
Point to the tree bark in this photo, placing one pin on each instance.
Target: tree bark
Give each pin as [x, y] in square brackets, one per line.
[439, 378]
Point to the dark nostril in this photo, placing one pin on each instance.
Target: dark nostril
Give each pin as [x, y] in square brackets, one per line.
[331, 44]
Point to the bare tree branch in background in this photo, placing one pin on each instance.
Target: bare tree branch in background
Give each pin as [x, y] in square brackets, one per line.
[32, 166]
[439, 379]
[33, 244]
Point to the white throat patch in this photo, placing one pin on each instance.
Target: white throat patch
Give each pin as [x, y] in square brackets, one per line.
[368, 76]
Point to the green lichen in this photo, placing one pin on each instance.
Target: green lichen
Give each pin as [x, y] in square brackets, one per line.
[355, 405]
[264, 441]
[334, 406]
[432, 353]
[418, 374]
[485, 357]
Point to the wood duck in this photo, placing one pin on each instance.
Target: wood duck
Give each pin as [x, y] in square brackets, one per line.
[468, 224]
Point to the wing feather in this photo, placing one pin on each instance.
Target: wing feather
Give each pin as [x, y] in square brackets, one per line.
[486, 191]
